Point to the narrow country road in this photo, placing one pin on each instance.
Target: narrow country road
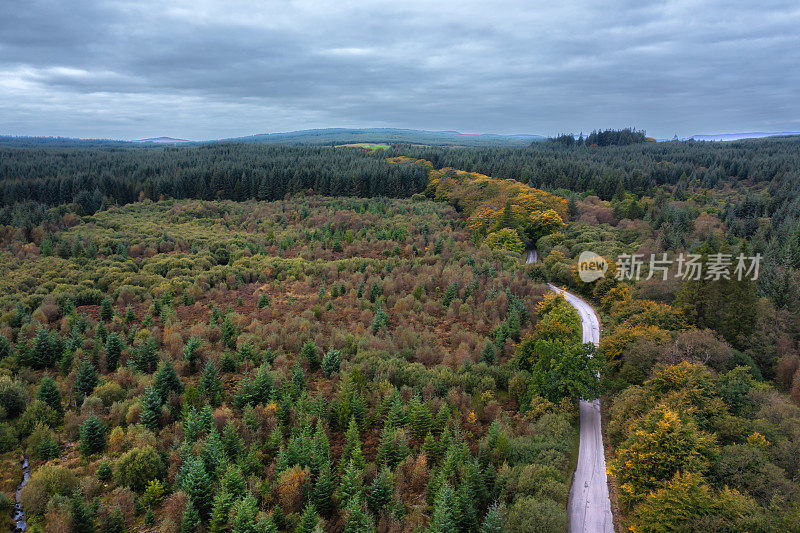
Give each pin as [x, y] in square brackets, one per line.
[589, 506]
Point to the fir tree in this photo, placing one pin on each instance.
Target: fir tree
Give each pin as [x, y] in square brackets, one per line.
[494, 521]
[93, 436]
[350, 488]
[113, 351]
[379, 493]
[85, 380]
[48, 393]
[352, 446]
[444, 515]
[114, 521]
[356, 520]
[421, 419]
[191, 519]
[244, 515]
[197, 486]
[82, 521]
[167, 381]
[308, 521]
[323, 491]
[211, 385]
[106, 311]
[191, 353]
[151, 409]
[309, 352]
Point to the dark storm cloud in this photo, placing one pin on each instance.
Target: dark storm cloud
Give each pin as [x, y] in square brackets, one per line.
[214, 69]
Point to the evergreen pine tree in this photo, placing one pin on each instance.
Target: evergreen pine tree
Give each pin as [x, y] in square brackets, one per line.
[197, 486]
[244, 515]
[494, 521]
[106, 311]
[444, 516]
[220, 510]
[191, 519]
[114, 521]
[356, 520]
[211, 385]
[421, 419]
[351, 487]
[323, 491]
[82, 521]
[308, 521]
[488, 354]
[352, 447]
[93, 436]
[151, 409]
[167, 381]
[113, 351]
[309, 352]
[85, 381]
[191, 353]
[379, 493]
[48, 393]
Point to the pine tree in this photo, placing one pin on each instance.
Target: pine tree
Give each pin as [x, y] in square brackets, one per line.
[48, 393]
[356, 520]
[106, 311]
[93, 436]
[191, 353]
[167, 381]
[421, 419]
[147, 356]
[323, 491]
[379, 493]
[114, 522]
[191, 519]
[82, 521]
[466, 516]
[488, 354]
[350, 488]
[352, 447]
[211, 385]
[113, 351]
[309, 352]
[244, 515]
[444, 515]
[308, 521]
[197, 486]
[85, 380]
[218, 520]
[298, 379]
[231, 441]
[151, 409]
[494, 521]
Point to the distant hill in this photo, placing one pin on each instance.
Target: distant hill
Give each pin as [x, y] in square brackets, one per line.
[335, 136]
[163, 140]
[738, 136]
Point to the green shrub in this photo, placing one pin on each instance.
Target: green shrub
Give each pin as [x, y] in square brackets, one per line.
[137, 467]
[44, 483]
[540, 515]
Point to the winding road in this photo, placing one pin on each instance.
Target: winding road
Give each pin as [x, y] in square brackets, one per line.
[589, 506]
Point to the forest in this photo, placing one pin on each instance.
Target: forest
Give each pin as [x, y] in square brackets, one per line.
[254, 338]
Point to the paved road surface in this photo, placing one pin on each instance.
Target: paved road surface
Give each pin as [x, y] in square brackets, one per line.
[589, 506]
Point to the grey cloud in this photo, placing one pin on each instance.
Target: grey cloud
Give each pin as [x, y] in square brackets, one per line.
[205, 69]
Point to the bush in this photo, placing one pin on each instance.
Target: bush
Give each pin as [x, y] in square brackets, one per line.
[136, 468]
[533, 514]
[42, 443]
[44, 483]
[37, 412]
[8, 439]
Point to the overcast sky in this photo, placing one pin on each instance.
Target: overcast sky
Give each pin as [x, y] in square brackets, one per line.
[199, 69]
